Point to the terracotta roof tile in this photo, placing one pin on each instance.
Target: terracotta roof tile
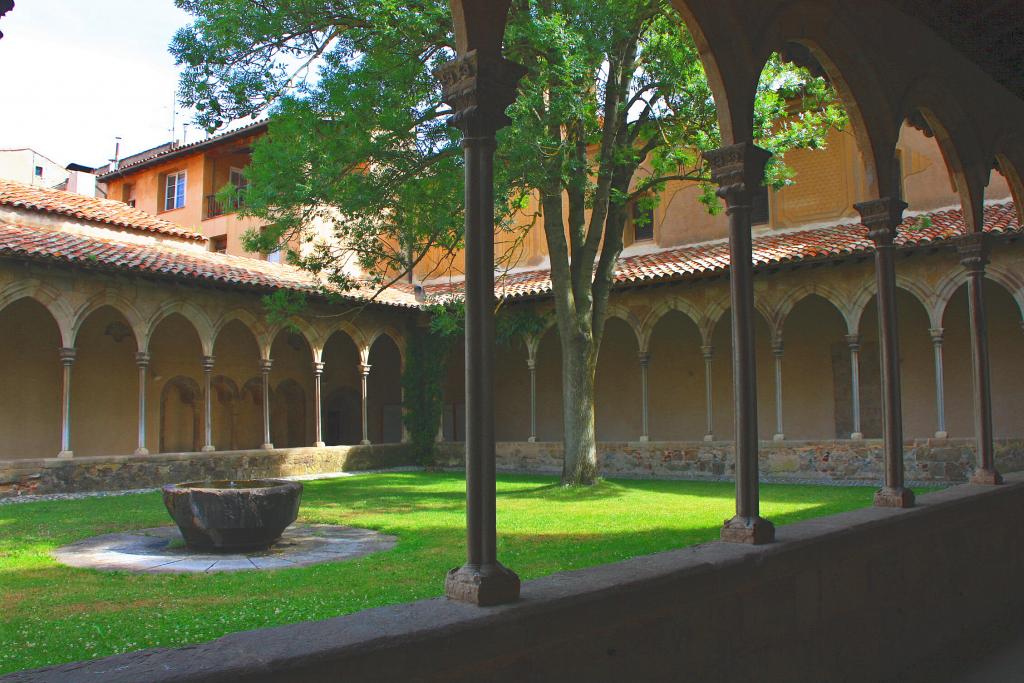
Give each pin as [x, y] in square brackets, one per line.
[769, 249]
[166, 260]
[94, 209]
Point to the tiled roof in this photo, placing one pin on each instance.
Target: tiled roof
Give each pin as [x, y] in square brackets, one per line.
[94, 209]
[170, 150]
[165, 260]
[770, 249]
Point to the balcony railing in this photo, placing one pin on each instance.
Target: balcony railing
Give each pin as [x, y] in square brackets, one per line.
[215, 207]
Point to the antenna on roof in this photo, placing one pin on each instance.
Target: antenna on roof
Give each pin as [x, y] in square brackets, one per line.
[116, 160]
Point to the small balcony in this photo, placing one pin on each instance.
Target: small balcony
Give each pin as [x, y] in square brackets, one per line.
[215, 207]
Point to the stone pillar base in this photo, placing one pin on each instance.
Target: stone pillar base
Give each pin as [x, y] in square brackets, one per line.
[941, 435]
[752, 530]
[644, 439]
[709, 437]
[894, 498]
[482, 586]
[364, 442]
[319, 444]
[987, 477]
[856, 436]
[208, 449]
[66, 454]
[532, 439]
[779, 437]
[141, 451]
[267, 446]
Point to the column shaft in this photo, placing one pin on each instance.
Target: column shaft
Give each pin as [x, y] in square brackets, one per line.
[318, 371]
[531, 364]
[974, 257]
[737, 170]
[780, 435]
[853, 341]
[709, 434]
[67, 359]
[645, 361]
[882, 217]
[479, 86]
[265, 366]
[940, 384]
[208, 403]
[142, 360]
[364, 392]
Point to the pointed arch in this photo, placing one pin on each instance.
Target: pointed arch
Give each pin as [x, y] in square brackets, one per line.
[49, 298]
[627, 316]
[393, 334]
[116, 300]
[190, 312]
[305, 330]
[826, 291]
[663, 308]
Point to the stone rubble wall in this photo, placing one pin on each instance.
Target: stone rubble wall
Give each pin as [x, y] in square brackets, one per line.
[941, 461]
[112, 473]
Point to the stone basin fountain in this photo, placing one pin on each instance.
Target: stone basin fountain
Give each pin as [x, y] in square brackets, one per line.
[233, 516]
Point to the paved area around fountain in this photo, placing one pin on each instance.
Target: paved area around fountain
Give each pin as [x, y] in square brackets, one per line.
[161, 550]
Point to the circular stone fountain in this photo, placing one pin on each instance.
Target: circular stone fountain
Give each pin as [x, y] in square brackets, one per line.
[233, 516]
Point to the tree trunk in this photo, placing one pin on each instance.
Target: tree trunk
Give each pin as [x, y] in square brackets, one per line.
[579, 361]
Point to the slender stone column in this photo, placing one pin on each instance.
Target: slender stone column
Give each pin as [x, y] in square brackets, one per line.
[208, 446]
[531, 365]
[67, 359]
[853, 342]
[364, 392]
[142, 360]
[708, 352]
[974, 258]
[882, 218]
[940, 384]
[479, 86]
[780, 434]
[318, 371]
[738, 169]
[265, 366]
[645, 362]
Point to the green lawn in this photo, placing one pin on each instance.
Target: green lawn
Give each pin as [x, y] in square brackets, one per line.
[53, 614]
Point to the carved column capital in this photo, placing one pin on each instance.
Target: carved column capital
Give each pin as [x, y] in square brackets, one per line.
[936, 333]
[777, 347]
[531, 364]
[708, 352]
[265, 365]
[142, 359]
[364, 369]
[479, 88]
[853, 341]
[737, 170]
[207, 362]
[645, 359]
[974, 252]
[67, 356]
[318, 368]
[882, 218]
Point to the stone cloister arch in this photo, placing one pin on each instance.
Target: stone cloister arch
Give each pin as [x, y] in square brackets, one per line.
[236, 415]
[382, 388]
[341, 381]
[291, 377]
[175, 348]
[31, 378]
[678, 385]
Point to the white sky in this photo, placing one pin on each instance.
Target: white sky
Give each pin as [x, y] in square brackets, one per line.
[76, 73]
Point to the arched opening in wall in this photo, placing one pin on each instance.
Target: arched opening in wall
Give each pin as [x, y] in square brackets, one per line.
[921, 174]
[721, 377]
[550, 424]
[801, 116]
[237, 421]
[180, 410]
[384, 391]
[225, 408]
[512, 391]
[291, 425]
[249, 416]
[105, 386]
[288, 415]
[1006, 367]
[917, 375]
[815, 369]
[175, 356]
[453, 416]
[618, 399]
[30, 382]
[676, 384]
[342, 424]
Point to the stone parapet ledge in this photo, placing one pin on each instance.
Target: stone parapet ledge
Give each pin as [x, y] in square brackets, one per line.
[814, 605]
